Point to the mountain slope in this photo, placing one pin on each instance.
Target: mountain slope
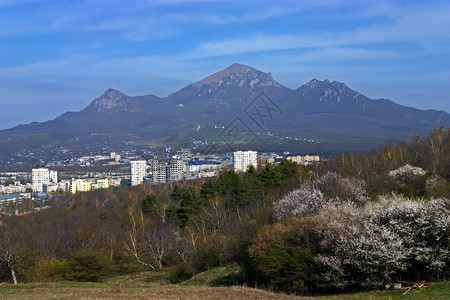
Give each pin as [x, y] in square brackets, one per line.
[225, 92]
[331, 109]
[322, 110]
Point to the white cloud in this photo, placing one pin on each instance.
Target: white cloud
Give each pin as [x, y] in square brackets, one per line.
[421, 27]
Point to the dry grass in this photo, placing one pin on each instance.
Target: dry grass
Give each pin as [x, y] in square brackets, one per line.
[154, 285]
[145, 285]
[70, 290]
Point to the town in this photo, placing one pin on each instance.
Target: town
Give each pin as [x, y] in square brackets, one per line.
[26, 191]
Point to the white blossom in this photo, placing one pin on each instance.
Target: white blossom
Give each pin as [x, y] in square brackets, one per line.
[383, 238]
[407, 171]
[299, 203]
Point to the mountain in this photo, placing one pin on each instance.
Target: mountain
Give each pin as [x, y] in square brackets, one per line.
[224, 93]
[233, 84]
[317, 116]
[332, 110]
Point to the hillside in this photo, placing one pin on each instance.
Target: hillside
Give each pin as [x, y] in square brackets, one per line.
[352, 223]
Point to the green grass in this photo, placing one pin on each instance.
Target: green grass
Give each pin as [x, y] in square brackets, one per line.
[439, 290]
[221, 276]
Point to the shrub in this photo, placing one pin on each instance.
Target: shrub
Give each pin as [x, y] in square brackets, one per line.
[409, 180]
[384, 241]
[283, 258]
[84, 265]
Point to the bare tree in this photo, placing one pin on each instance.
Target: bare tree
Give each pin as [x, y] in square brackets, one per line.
[148, 241]
[12, 253]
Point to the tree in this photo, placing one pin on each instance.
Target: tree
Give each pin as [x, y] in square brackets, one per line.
[148, 241]
[271, 176]
[409, 180]
[299, 203]
[383, 241]
[14, 254]
[148, 203]
[189, 204]
[357, 250]
[333, 185]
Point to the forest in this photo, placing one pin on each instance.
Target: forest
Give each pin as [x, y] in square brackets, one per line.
[354, 222]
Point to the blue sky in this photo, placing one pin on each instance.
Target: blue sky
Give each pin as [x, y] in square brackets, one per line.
[58, 55]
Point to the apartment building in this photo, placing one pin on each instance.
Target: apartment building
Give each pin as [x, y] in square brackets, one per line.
[243, 159]
[138, 171]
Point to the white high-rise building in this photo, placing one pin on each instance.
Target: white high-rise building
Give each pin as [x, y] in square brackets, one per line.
[53, 176]
[176, 170]
[159, 171]
[40, 179]
[243, 159]
[138, 171]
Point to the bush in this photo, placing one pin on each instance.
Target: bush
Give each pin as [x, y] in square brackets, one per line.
[383, 242]
[409, 180]
[84, 265]
[283, 257]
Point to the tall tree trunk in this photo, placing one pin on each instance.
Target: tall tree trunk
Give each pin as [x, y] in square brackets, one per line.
[13, 273]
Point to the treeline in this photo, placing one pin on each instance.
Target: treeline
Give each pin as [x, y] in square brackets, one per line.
[353, 222]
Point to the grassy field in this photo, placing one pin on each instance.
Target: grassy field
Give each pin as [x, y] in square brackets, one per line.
[430, 291]
[151, 285]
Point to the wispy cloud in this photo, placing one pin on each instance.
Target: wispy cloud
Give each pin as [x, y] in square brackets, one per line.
[142, 19]
[420, 27]
[158, 46]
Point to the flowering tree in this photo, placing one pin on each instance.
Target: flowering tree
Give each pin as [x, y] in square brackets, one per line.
[299, 203]
[376, 243]
[424, 228]
[333, 185]
[407, 171]
[409, 180]
[356, 249]
[329, 189]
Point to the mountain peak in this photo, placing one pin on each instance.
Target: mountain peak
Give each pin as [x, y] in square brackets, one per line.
[247, 80]
[315, 83]
[330, 92]
[112, 94]
[234, 69]
[312, 83]
[111, 101]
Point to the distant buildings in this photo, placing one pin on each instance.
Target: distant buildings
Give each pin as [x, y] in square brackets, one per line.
[303, 160]
[80, 185]
[243, 159]
[41, 179]
[158, 173]
[162, 171]
[138, 171]
[198, 166]
[184, 164]
[53, 176]
[176, 170]
[114, 156]
[101, 184]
